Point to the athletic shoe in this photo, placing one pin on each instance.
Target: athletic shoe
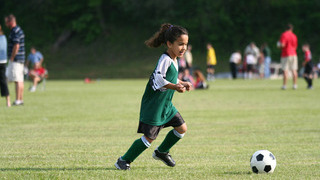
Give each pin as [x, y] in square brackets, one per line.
[32, 89]
[294, 87]
[17, 103]
[283, 87]
[164, 157]
[122, 164]
[309, 87]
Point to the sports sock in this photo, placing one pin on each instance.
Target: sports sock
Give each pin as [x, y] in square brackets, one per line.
[171, 139]
[309, 81]
[136, 149]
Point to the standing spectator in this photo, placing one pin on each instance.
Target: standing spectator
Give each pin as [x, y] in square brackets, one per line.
[251, 56]
[34, 57]
[182, 64]
[261, 65]
[188, 57]
[211, 62]
[16, 54]
[289, 61]
[3, 62]
[235, 59]
[308, 65]
[267, 59]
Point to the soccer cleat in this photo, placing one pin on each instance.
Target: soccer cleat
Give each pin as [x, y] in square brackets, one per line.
[283, 87]
[164, 157]
[122, 164]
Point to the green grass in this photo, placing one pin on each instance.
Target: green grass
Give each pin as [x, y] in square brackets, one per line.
[77, 131]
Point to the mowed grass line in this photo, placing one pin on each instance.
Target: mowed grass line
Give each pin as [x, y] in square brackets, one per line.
[77, 131]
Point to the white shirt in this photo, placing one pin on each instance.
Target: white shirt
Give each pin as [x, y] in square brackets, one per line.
[235, 57]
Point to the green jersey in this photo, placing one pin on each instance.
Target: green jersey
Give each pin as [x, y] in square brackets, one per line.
[156, 105]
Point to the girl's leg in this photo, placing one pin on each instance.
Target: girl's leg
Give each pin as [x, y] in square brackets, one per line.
[172, 138]
[137, 148]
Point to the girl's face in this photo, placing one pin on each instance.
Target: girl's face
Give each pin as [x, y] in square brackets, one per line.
[178, 47]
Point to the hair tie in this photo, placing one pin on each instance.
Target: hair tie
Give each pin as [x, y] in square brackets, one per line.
[169, 27]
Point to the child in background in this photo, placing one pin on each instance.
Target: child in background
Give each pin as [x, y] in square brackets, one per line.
[308, 65]
[211, 62]
[200, 80]
[157, 111]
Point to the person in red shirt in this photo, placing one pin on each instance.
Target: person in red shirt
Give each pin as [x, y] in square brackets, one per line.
[308, 66]
[288, 43]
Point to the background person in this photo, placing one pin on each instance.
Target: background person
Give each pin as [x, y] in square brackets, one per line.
[188, 57]
[261, 65]
[3, 61]
[200, 80]
[289, 61]
[267, 59]
[16, 52]
[308, 65]
[34, 57]
[235, 59]
[251, 56]
[37, 74]
[211, 62]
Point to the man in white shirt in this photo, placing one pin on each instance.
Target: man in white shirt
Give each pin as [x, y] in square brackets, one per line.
[235, 59]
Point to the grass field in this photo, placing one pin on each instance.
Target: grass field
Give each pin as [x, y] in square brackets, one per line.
[77, 131]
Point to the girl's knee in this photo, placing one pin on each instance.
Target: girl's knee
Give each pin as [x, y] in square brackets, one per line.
[149, 140]
[182, 129]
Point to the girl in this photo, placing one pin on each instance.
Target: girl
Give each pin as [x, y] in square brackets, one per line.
[156, 110]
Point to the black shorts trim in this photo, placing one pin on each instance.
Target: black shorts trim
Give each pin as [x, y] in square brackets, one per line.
[152, 132]
[250, 67]
[308, 69]
[211, 66]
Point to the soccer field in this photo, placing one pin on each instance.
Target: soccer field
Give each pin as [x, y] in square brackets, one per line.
[74, 130]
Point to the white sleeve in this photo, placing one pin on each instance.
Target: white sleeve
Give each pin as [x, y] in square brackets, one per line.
[160, 74]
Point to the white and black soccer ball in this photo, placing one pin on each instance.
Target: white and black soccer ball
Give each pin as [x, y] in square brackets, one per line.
[263, 161]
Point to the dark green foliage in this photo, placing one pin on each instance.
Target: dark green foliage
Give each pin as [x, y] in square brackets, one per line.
[227, 24]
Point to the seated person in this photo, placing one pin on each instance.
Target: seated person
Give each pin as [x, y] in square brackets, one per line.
[34, 57]
[37, 74]
[186, 76]
[200, 80]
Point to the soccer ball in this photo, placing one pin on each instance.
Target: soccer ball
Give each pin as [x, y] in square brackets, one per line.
[263, 161]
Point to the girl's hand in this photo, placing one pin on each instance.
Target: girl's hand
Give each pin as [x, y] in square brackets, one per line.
[187, 85]
[180, 88]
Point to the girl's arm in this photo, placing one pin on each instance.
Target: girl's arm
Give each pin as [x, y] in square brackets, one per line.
[178, 87]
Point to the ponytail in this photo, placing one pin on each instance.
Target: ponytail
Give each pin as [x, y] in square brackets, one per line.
[166, 33]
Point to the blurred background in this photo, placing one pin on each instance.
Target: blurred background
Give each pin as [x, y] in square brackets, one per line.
[105, 38]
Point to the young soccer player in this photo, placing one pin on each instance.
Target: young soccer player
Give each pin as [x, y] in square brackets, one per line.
[156, 110]
[308, 66]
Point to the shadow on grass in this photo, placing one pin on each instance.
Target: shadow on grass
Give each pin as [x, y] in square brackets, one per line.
[238, 173]
[58, 169]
